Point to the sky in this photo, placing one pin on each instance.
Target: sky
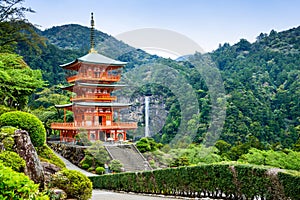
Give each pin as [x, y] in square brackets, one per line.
[206, 22]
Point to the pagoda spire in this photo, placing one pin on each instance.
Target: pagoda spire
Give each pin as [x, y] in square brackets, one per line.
[92, 50]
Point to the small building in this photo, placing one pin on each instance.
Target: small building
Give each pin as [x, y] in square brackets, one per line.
[93, 106]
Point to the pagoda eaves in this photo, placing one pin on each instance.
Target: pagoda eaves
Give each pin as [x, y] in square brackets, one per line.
[92, 58]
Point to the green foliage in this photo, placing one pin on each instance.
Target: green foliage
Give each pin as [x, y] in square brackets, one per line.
[290, 160]
[180, 161]
[87, 161]
[147, 144]
[85, 165]
[243, 148]
[99, 153]
[91, 169]
[100, 170]
[6, 137]
[222, 146]
[15, 185]
[4, 109]
[74, 183]
[95, 156]
[18, 80]
[291, 181]
[82, 139]
[226, 181]
[13, 160]
[14, 27]
[8, 143]
[115, 166]
[46, 154]
[28, 122]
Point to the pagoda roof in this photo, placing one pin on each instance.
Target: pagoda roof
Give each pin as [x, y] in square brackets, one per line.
[95, 58]
[98, 104]
[69, 87]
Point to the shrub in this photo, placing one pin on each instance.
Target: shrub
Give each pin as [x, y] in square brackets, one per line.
[8, 143]
[4, 109]
[87, 160]
[85, 166]
[115, 166]
[46, 154]
[82, 139]
[13, 160]
[91, 169]
[74, 183]
[100, 170]
[7, 131]
[28, 122]
[15, 185]
[6, 137]
[147, 144]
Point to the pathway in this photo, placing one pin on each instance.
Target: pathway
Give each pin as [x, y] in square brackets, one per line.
[71, 166]
[109, 195]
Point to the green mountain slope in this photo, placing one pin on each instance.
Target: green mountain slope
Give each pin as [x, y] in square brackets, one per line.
[261, 79]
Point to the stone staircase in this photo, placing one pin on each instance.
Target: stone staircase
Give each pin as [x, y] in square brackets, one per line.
[129, 156]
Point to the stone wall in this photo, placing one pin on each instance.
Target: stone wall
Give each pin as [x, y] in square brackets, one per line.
[73, 153]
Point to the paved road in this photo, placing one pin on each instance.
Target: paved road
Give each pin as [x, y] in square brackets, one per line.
[108, 195]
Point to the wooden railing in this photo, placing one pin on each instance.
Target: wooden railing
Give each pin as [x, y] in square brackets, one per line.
[113, 78]
[94, 97]
[114, 125]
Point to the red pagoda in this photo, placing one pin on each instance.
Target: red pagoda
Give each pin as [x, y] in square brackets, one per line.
[93, 106]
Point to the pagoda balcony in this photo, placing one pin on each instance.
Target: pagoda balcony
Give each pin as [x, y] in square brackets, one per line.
[108, 78]
[114, 125]
[94, 97]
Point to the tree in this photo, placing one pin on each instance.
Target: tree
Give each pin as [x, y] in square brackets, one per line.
[15, 28]
[115, 166]
[99, 153]
[17, 80]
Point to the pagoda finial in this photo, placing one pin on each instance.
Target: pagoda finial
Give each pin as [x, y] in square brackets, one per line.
[92, 50]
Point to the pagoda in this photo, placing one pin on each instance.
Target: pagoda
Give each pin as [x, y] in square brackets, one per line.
[96, 77]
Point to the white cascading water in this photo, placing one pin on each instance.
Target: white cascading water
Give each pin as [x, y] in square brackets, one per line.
[147, 100]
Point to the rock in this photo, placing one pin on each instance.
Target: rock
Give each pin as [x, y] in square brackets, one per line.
[49, 169]
[26, 150]
[58, 194]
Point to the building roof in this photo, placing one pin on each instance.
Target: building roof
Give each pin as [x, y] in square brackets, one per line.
[95, 104]
[69, 87]
[95, 58]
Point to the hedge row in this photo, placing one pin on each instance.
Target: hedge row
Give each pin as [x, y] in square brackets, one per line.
[228, 181]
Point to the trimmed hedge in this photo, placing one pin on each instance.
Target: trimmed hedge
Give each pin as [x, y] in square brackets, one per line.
[28, 122]
[227, 181]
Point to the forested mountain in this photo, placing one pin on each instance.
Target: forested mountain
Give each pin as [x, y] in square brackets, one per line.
[263, 84]
[65, 43]
[261, 79]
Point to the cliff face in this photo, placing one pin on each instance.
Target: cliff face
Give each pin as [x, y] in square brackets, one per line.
[136, 113]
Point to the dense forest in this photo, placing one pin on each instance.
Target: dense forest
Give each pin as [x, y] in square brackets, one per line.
[261, 82]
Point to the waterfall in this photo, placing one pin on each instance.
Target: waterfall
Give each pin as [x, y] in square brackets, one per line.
[147, 100]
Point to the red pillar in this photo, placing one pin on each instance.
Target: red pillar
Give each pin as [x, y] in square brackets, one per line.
[116, 136]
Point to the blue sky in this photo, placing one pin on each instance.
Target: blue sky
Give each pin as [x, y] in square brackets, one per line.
[207, 22]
